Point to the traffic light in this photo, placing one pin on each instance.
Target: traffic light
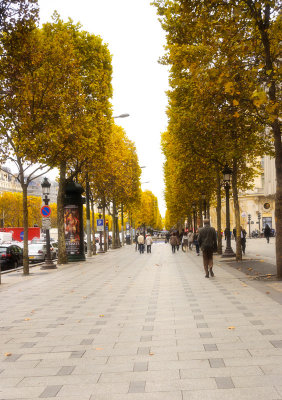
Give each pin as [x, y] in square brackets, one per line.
[107, 222]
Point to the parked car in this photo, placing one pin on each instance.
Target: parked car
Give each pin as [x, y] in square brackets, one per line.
[37, 252]
[11, 256]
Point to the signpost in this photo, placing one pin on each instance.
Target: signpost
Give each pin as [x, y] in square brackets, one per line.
[45, 211]
[46, 223]
[100, 225]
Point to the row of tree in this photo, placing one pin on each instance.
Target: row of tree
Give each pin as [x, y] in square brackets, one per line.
[55, 112]
[223, 102]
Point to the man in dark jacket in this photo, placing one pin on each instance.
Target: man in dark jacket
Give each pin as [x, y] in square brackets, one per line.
[208, 243]
[267, 232]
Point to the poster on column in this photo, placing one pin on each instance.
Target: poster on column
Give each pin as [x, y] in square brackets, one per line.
[72, 229]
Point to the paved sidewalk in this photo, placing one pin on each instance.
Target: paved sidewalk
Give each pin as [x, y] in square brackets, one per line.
[125, 326]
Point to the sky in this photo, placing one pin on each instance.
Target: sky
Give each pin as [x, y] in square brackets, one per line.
[136, 41]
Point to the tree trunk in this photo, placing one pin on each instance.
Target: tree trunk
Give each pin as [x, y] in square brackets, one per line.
[62, 254]
[237, 210]
[218, 215]
[278, 199]
[93, 227]
[88, 228]
[272, 82]
[25, 226]
[104, 232]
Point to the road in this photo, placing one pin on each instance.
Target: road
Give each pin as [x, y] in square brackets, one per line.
[130, 326]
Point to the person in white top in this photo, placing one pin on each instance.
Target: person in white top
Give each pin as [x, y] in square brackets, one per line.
[141, 243]
[149, 242]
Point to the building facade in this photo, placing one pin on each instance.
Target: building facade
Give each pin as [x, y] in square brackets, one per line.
[257, 206]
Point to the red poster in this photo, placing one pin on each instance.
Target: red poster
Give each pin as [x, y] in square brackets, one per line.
[72, 229]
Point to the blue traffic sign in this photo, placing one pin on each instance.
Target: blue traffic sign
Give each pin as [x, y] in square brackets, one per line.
[100, 222]
[45, 211]
[22, 235]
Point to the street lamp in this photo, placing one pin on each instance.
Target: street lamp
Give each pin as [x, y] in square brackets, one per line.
[227, 172]
[122, 116]
[194, 215]
[48, 264]
[259, 218]
[205, 205]
[100, 210]
[249, 223]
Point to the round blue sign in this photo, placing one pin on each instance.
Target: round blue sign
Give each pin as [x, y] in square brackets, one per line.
[22, 235]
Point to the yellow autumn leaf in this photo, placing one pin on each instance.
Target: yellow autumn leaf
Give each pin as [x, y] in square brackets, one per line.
[231, 327]
[8, 354]
[235, 102]
[236, 114]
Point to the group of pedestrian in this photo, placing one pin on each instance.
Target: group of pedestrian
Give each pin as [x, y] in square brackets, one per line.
[140, 243]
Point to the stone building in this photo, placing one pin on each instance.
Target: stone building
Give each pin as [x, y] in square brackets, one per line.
[258, 202]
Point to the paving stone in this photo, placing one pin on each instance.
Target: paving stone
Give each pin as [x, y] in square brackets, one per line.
[276, 343]
[146, 338]
[148, 328]
[13, 357]
[266, 331]
[210, 347]
[86, 341]
[143, 350]
[101, 322]
[257, 322]
[77, 354]
[28, 345]
[202, 325]
[137, 387]
[197, 317]
[205, 335]
[51, 391]
[140, 366]
[216, 362]
[94, 331]
[248, 314]
[66, 371]
[150, 319]
[224, 383]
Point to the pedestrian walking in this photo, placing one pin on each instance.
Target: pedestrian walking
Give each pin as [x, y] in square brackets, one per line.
[196, 242]
[267, 232]
[208, 244]
[136, 241]
[190, 239]
[141, 243]
[243, 239]
[178, 241]
[173, 242]
[184, 242]
[149, 242]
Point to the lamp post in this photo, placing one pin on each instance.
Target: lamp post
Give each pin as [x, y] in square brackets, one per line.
[121, 116]
[249, 223]
[227, 172]
[205, 205]
[194, 215]
[48, 264]
[100, 210]
[259, 218]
